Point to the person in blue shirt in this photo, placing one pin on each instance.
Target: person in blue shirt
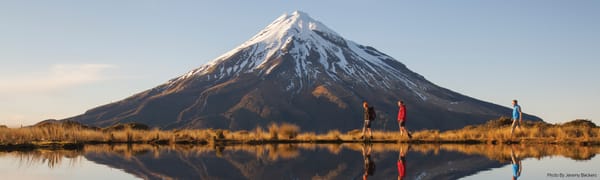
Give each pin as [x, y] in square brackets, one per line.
[516, 164]
[517, 117]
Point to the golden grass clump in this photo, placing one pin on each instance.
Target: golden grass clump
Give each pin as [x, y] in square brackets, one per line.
[281, 131]
[307, 136]
[289, 131]
[273, 129]
[332, 135]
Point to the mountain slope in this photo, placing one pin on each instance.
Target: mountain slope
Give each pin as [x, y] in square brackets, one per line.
[296, 70]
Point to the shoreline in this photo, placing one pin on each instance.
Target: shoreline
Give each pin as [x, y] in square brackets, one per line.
[61, 145]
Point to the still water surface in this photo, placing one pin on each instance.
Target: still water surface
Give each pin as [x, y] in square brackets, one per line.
[305, 161]
[25, 167]
[558, 168]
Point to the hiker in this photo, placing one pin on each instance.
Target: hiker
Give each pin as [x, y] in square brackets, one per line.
[368, 162]
[402, 119]
[368, 116]
[516, 164]
[402, 162]
[517, 117]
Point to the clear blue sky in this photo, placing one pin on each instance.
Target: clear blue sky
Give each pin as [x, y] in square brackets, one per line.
[61, 58]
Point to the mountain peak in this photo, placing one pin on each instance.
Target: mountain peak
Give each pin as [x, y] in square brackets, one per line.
[300, 13]
[315, 50]
[297, 15]
[297, 27]
[297, 24]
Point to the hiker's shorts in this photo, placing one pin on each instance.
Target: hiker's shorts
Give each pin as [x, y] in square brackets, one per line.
[401, 123]
[367, 123]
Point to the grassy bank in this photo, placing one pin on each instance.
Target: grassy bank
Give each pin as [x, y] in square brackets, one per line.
[73, 135]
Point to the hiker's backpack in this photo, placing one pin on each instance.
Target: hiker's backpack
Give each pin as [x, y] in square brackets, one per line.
[372, 113]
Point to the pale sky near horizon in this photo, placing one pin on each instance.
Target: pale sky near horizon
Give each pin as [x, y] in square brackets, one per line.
[61, 58]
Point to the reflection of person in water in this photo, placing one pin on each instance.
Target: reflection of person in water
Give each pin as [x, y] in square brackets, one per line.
[402, 161]
[516, 164]
[369, 164]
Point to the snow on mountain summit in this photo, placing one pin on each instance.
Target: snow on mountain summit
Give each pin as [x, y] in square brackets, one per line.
[316, 52]
[297, 26]
[287, 25]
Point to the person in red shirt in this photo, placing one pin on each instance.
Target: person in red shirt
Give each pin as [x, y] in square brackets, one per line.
[402, 119]
[402, 162]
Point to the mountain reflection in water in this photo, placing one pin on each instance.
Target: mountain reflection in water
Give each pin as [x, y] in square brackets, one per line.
[304, 161]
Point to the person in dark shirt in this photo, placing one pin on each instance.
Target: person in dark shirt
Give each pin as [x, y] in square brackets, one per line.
[367, 117]
[369, 165]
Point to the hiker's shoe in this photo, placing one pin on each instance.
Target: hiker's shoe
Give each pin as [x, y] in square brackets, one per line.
[409, 136]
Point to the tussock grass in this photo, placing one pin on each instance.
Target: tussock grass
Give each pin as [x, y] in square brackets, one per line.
[578, 131]
[493, 132]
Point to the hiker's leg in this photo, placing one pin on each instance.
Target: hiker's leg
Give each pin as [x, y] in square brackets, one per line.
[401, 152]
[404, 130]
[400, 129]
[407, 132]
[363, 130]
[364, 127]
[368, 126]
[520, 122]
[512, 127]
[512, 154]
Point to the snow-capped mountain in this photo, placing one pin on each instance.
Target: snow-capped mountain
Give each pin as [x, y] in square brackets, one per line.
[300, 71]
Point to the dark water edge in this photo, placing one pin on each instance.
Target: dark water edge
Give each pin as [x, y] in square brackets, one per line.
[305, 161]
